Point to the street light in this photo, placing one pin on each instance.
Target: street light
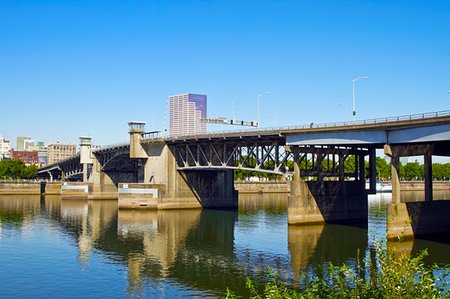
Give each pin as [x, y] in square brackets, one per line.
[260, 95]
[354, 80]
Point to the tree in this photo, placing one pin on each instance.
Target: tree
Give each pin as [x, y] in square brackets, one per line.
[412, 171]
[383, 169]
[16, 169]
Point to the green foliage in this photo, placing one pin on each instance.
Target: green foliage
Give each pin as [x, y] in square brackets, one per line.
[240, 174]
[441, 171]
[412, 171]
[392, 275]
[383, 169]
[16, 169]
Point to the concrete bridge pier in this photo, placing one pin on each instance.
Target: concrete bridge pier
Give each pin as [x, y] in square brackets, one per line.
[406, 220]
[328, 200]
[169, 187]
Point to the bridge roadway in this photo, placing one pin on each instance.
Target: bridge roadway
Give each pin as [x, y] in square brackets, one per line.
[197, 170]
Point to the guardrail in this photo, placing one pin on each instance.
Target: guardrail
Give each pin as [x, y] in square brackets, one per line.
[382, 120]
[111, 146]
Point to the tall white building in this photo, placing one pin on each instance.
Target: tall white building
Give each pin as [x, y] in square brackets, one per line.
[185, 113]
[5, 148]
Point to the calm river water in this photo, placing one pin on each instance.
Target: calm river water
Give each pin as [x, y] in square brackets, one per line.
[53, 248]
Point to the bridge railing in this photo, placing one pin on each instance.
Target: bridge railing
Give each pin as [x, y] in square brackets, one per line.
[111, 146]
[382, 120]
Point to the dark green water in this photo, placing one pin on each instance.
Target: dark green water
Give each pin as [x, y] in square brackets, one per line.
[53, 248]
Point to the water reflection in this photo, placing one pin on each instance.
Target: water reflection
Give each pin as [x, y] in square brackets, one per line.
[200, 252]
[273, 203]
[18, 211]
[411, 196]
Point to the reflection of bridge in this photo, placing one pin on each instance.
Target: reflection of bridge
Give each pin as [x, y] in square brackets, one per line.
[197, 171]
[195, 248]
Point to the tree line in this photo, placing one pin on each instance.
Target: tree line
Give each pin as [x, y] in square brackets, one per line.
[16, 169]
[409, 171]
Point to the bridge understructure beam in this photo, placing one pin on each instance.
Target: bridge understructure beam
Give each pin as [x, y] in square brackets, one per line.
[112, 166]
[267, 155]
[186, 188]
[329, 181]
[329, 185]
[407, 220]
[66, 170]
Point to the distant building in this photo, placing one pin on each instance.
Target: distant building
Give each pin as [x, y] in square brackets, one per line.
[185, 114]
[5, 148]
[28, 144]
[60, 151]
[28, 157]
[42, 152]
[21, 143]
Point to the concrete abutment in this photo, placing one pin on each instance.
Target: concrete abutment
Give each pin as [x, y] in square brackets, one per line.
[406, 220]
[174, 189]
[314, 202]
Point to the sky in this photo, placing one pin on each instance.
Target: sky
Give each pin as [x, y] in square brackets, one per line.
[77, 68]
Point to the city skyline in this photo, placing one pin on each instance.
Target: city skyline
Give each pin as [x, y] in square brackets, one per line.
[74, 69]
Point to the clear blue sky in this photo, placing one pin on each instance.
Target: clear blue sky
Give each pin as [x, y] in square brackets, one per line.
[72, 68]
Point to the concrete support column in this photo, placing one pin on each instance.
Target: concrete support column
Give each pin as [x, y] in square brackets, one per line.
[51, 176]
[295, 184]
[320, 201]
[395, 179]
[428, 176]
[392, 152]
[85, 172]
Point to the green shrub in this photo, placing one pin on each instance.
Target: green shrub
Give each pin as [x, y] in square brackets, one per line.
[387, 275]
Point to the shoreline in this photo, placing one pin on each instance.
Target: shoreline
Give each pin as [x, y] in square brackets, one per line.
[244, 187]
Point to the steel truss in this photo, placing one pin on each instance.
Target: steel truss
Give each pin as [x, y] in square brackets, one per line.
[116, 159]
[269, 155]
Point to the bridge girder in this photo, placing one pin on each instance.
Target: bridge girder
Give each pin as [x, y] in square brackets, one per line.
[266, 156]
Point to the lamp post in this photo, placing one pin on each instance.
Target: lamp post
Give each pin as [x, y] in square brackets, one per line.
[260, 95]
[353, 103]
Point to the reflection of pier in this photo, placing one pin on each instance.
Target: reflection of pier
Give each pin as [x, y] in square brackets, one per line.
[194, 249]
[314, 245]
[162, 233]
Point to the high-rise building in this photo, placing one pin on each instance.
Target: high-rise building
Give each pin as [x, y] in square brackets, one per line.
[5, 148]
[21, 143]
[185, 114]
[59, 151]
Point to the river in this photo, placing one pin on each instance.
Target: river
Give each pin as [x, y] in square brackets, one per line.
[53, 248]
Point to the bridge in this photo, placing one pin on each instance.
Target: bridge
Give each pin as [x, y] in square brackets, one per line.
[197, 171]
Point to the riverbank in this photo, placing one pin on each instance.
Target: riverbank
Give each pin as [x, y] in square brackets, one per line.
[54, 188]
[285, 187]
